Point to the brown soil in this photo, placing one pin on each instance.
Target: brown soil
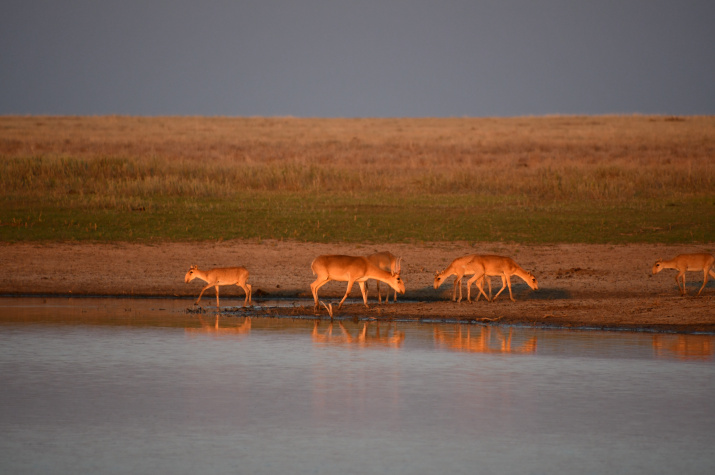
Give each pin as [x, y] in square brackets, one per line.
[591, 286]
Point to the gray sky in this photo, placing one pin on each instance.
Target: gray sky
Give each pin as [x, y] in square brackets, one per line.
[362, 58]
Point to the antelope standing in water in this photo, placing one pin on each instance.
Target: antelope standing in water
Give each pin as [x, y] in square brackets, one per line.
[350, 269]
[220, 276]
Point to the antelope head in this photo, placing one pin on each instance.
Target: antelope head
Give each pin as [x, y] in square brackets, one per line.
[657, 267]
[400, 284]
[532, 282]
[191, 274]
[438, 279]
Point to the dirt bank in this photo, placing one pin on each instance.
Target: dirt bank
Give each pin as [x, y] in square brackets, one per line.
[594, 286]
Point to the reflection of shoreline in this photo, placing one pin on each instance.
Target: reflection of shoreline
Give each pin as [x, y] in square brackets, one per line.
[486, 340]
[684, 347]
[390, 338]
[214, 328]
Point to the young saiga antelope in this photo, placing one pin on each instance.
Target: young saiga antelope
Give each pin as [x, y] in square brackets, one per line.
[221, 276]
[460, 267]
[389, 263]
[350, 269]
[688, 262]
[503, 267]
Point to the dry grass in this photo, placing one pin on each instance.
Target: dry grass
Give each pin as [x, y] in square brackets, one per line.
[542, 159]
[542, 179]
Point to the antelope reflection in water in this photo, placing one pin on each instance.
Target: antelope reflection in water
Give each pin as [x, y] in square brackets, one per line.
[484, 340]
[213, 328]
[390, 338]
[684, 347]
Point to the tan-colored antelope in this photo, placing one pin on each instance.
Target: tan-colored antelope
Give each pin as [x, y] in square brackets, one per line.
[500, 266]
[688, 262]
[220, 276]
[350, 269]
[389, 263]
[460, 267]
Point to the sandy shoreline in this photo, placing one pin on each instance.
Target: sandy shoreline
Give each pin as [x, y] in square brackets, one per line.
[584, 286]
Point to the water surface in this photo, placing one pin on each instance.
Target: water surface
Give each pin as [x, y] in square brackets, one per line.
[140, 386]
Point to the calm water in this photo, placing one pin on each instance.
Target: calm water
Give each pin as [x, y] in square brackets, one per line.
[139, 386]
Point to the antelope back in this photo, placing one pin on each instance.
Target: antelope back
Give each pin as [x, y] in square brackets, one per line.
[385, 260]
[340, 267]
[236, 274]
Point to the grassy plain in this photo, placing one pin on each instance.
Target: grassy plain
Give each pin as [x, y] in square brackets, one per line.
[591, 179]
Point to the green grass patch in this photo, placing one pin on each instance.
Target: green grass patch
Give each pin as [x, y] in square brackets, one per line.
[351, 218]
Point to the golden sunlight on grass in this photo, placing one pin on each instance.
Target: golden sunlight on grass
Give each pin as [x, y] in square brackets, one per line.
[544, 179]
[545, 158]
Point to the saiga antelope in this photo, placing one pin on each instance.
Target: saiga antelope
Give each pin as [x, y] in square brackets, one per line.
[460, 267]
[350, 269]
[221, 276]
[389, 263]
[503, 267]
[688, 262]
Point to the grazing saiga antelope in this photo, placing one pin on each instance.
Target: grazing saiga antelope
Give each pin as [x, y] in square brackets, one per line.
[460, 267]
[389, 263]
[350, 269]
[221, 276]
[503, 267]
[688, 262]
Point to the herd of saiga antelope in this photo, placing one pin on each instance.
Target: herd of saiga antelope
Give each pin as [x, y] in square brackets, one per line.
[385, 267]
